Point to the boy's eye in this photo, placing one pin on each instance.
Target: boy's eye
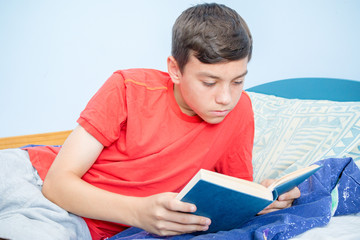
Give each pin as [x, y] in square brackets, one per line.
[209, 84]
[238, 82]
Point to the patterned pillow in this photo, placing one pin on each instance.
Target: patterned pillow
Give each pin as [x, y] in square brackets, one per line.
[293, 133]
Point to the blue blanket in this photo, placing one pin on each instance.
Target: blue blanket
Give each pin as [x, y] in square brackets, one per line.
[331, 191]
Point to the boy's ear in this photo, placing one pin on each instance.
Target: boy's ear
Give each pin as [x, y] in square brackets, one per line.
[173, 69]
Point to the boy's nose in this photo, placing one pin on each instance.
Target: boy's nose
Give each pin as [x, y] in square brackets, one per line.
[224, 96]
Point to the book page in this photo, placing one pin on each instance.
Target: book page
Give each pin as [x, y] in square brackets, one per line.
[238, 184]
[292, 176]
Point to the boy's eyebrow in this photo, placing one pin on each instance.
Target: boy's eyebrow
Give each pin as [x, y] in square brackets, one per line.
[205, 74]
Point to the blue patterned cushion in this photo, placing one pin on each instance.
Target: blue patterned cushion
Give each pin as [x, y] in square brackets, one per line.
[293, 133]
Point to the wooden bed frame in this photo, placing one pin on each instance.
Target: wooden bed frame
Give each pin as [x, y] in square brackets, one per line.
[52, 138]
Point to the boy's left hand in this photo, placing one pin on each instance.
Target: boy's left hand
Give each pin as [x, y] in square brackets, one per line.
[285, 200]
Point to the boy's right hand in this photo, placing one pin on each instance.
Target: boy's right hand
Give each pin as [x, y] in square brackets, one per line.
[164, 215]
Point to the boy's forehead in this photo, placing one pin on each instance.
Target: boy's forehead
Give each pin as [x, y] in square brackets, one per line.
[208, 68]
[236, 68]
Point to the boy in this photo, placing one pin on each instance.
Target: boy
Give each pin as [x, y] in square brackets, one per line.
[145, 133]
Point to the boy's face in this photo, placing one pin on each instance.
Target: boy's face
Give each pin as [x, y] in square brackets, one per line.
[210, 91]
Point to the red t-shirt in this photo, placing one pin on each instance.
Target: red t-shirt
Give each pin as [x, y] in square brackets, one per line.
[150, 145]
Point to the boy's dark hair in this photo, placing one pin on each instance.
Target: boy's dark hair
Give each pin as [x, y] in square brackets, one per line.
[213, 33]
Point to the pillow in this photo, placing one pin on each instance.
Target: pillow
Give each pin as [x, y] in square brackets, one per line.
[293, 133]
[355, 154]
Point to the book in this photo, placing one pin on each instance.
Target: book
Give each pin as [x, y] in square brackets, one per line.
[230, 202]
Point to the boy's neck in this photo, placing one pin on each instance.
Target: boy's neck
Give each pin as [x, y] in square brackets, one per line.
[181, 103]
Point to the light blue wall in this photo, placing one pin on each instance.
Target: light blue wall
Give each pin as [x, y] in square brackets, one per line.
[54, 55]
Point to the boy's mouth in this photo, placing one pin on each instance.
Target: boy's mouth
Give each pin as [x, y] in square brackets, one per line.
[220, 113]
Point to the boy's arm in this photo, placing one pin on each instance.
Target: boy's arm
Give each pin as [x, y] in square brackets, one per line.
[161, 214]
[284, 200]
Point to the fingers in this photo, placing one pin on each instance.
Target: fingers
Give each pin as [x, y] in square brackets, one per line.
[267, 182]
[181, 223]
[284, 201]
[188, 219]
[290, 195]
[178, 213]
[177, 209]
[175, 223]
[179, 206]
[275, 206]
[164, 215]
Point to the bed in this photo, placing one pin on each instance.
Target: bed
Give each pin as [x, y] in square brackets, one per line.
[302, 120]
[297, 122]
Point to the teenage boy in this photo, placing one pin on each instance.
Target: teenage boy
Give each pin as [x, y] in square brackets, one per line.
[145, 133]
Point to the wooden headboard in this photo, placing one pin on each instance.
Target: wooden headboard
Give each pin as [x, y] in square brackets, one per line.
[53, 138]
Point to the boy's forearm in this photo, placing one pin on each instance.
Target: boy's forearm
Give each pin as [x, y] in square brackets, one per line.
[161, 214]
[81, 198]
[63, 184]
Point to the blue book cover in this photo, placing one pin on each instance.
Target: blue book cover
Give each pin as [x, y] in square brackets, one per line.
[230, 202]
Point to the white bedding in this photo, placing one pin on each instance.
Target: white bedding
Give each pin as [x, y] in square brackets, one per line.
[340, 227]
[293, 133]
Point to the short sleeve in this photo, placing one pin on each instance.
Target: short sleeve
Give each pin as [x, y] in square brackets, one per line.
[106, 111]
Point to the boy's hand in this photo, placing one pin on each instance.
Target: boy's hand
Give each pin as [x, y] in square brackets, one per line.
[164, 215]
[285, 200]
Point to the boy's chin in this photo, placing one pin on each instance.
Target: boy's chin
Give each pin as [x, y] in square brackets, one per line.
[214, 120]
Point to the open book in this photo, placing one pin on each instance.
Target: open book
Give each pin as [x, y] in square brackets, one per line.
[230, 202]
